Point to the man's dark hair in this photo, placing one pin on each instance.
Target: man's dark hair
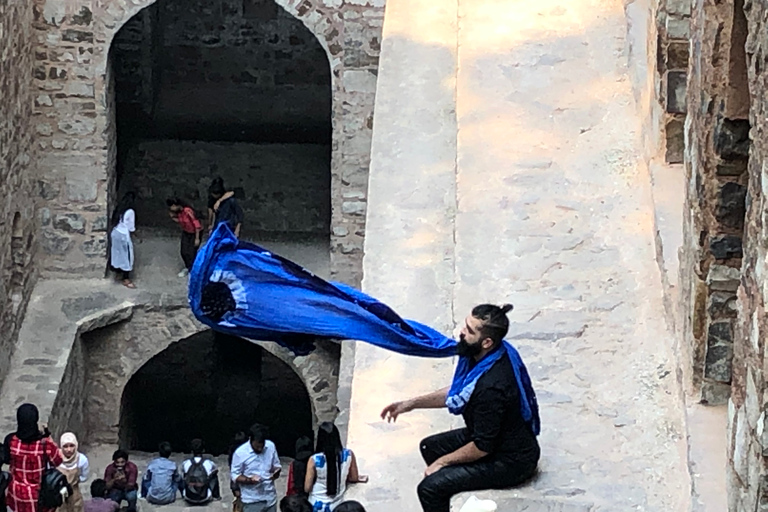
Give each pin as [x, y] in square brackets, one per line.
[98, 488]
[165, 449]
[197, 446]
[257, 433]
[217, 187]
[495, 321]
[119, 454]
[350, 506]
[295, 503]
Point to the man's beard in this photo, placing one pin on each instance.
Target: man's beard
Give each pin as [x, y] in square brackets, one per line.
[465, 349]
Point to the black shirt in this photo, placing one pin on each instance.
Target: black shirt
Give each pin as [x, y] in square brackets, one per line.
[230, 212]
[493, 417]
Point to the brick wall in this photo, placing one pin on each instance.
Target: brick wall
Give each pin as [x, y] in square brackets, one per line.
[75, 120]
[17, 208]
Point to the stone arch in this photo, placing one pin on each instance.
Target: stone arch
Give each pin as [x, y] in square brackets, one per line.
[150, 332]
[319, 21]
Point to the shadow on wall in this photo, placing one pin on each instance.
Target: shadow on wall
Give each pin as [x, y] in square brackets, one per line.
[212, 386]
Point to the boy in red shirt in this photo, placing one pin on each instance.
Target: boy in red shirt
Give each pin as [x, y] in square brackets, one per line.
[183, 215]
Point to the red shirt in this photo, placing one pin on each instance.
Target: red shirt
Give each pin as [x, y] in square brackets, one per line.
[28, 460]
[131, 474]
[188, 221]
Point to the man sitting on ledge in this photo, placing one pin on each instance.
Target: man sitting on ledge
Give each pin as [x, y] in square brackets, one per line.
[491, 390]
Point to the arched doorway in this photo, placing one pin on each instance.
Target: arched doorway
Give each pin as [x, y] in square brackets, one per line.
[237, 90]
[212, 386]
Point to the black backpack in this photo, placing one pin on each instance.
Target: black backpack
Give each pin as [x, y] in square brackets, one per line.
[196, 482]
[52, 483]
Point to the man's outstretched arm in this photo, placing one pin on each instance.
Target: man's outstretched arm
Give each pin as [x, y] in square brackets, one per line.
[434, 400]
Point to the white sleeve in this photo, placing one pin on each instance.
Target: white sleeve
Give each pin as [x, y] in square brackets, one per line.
[84, 466]
[275, 460]
[129, 218]
[237, 466]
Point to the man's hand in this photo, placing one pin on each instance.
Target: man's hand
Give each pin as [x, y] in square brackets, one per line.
[395, 409]
[434, 468]
[253, 480]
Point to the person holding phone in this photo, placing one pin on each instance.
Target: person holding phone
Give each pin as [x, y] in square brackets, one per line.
[255, 467]
[329, 470]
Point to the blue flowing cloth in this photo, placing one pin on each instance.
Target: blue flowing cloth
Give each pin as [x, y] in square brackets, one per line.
[242, 289]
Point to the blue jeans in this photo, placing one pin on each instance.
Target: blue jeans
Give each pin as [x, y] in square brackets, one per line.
[118, 495]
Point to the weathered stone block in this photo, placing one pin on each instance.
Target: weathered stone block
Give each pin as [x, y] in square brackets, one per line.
[722, 305]
[353, 208]
[675, 138]
[99, 224]
[676, 91]
[719, 352]
[80, 188]
[677, 56]
[723, 278]
[54, 243]
[715, 393]
[362, 80]
[730, 205]
[732, 139]
[678, 28]
[732, 168]
[70, 222]
[679, 7]
[48, 190]
[77, 36]
[95, 247]
[724, 247]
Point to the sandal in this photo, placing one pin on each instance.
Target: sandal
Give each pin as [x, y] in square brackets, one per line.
[128, 284]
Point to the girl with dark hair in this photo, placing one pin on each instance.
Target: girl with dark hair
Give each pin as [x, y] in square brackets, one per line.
[297, 471]
[27, 451]
[123, 224]
[329, 470]
[182, 214]
[223, 207]
[350, 506]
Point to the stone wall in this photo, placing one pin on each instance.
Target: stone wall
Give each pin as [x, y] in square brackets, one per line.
[223, 70]
[673, 33]
[747, 436]
[17, 208]
[717, 152]
[103, 361]
[281, 187]
[75, 122]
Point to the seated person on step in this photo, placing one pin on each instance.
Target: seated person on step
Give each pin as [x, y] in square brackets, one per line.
[498, 447]
[121, 478]
[161, 480]
[99, 501]
[199, 477]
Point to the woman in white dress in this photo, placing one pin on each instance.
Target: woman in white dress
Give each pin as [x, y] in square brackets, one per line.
[329, 470]
[121, 254]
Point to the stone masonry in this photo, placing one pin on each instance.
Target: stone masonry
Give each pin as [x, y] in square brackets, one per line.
[75, 122]
[716, 162]
[18, 232]
[747, 436]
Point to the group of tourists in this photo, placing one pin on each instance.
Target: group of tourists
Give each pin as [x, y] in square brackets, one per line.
[222, 208]
[44, 475]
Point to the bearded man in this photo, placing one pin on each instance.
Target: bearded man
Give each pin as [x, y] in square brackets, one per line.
[492, 391]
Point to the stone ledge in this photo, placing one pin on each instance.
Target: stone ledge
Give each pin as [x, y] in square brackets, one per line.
[106, 317]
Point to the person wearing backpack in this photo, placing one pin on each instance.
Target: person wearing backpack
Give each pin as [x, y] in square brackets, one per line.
[200, 477]
[28, 452]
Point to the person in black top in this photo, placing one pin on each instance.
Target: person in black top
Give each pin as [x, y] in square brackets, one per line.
[223, 207]
[497, 448]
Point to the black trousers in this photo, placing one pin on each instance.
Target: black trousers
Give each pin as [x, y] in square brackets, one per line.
[490, 472]
[188, 249]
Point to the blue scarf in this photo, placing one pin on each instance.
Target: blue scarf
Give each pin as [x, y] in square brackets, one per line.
[466, 377]
[242, 289]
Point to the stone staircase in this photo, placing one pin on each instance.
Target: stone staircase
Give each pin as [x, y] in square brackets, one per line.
[505, 168]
